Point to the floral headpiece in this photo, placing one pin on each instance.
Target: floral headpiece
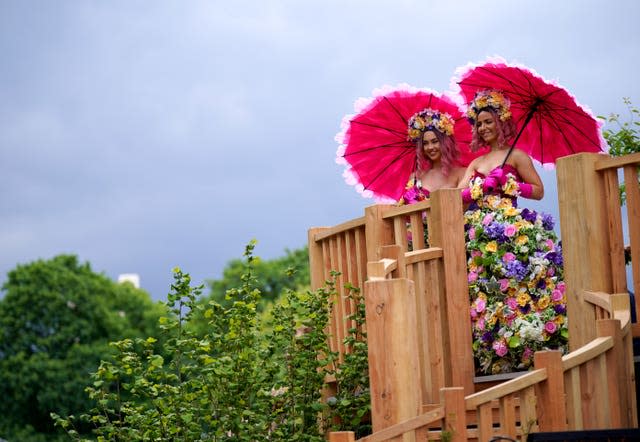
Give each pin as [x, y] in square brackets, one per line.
[429, 119]
[489, 98]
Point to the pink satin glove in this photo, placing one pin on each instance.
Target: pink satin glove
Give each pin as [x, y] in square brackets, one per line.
[499, 175]
[525, 190]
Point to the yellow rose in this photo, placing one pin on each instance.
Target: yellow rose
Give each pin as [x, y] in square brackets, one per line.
[523, 298]
[522, 240]
[512, 211]
[543, 302]
[492, 247]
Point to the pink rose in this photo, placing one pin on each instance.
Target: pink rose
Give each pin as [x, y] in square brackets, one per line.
[473, 276]
[476, 253]
[550, 327]
[504, 284]
[556, 295]
[551, 271]
[560, 286]
[480, 305]
[512, 303]
[472, 233]
[500, 348]
[550, 245]
[487, 219]
[480, 325]
[508, 257]
[510, 230]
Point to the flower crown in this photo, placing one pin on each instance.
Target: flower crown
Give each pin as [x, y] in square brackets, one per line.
[489, 98]
[429, 119]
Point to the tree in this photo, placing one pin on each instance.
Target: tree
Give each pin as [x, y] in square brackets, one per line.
[273, 277]
[56, 319]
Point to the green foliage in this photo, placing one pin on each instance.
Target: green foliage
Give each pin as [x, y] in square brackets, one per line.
[56, 320]
[235, 382]
[351, 406]
[272, 277]
[624, 138]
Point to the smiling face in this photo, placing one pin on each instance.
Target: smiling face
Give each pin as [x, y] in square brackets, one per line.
[486, 127]
[431, 146]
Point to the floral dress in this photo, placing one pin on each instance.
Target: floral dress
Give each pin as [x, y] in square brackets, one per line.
[516, 289]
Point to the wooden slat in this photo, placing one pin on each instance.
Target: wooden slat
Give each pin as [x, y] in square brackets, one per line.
[405, 426]
[608, 162]
[342, 436]
[586, 353]
[423, 255]
[417, 231]
[528, 416]
[633, 224]
[616, 376]
[616, 242]
[393, 357]
[485, 422]
[520, 383]
[340, 228]
[397, 211]
[550, 393]
[425, 354]
[508, 416]
[574, 399]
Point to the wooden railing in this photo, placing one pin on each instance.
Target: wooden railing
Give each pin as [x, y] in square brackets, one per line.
[551, 397]
[418, 326]
[591, 224]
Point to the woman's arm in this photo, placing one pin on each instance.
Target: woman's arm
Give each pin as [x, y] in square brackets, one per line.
[523, 164]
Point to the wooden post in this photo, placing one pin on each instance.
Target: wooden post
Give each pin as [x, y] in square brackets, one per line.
[617, 381]
[585, 241]
[393, 352]
[552, 415]
[455, 414]
[342, 436]
[447, 232]
[316, 265]
[378, 231]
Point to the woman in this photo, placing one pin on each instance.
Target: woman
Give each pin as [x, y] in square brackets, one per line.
[518, 304]
[436, 152]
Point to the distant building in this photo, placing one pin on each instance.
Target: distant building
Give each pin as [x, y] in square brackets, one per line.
[133, 278]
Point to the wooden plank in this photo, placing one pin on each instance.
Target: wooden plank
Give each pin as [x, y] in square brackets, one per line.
[587, 400]
[417, 231]
[607, 162]
[528, 415]
[583, 228]
[400, 232]
[448, 233]
[485, 422]
[425, 352]
[378, 232]
[438, 342]
[423, 255]
[342, 436]
[455, 422]
[550, 393]
[407, 425]
[616, 242]
[520, 383]
[508, 416]
[337, 300]
[316, 267]
[574, 398]
[584, 354]
[393, 357]
[331, 231]
[395, 211]
[615, 376]
[633, 225]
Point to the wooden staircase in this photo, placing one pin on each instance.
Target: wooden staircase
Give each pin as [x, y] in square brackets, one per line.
[417, 315]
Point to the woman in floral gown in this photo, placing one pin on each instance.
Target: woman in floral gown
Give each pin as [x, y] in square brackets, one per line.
[518, 302]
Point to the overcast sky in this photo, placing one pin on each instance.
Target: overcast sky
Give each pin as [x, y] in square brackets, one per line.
[143, 135]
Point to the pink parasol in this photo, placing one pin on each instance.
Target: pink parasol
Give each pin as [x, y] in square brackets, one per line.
[374, 147]
[549, 122]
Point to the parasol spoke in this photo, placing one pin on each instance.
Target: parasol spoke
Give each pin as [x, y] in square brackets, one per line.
[386, 167]
[378, 126]
[397, 145]
[552, 119]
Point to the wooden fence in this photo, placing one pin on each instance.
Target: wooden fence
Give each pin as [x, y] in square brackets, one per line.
[418, 327]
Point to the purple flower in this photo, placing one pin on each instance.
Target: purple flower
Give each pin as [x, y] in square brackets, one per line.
[495, 231]
[528, 215]
[560, 309]
[515, 269]
[547, 221]
[487, 337]
[555, 258]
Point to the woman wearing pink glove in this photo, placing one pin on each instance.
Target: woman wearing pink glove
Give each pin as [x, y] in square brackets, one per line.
[514, 260]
